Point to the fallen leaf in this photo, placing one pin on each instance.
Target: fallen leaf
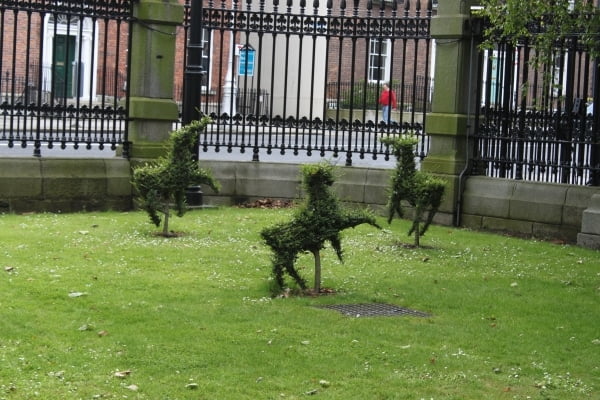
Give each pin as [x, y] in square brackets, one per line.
[57, 374]
[102, 333]
[9, 269]
[132, 387]
[192, 385]
[77, 294]
[311, 392]
[324, 383]
[122, 374]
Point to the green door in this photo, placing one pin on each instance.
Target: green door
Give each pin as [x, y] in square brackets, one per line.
[64, 56]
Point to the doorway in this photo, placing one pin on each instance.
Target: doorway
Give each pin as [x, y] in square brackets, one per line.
[63, 60]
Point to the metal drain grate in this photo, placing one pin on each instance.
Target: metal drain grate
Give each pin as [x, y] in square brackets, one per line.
[374, 310]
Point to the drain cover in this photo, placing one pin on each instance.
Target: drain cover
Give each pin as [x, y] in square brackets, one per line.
[374, 310]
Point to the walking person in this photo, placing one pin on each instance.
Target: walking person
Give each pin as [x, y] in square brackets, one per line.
[387, 101]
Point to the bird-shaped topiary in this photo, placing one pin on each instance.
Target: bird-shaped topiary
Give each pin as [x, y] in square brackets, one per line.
[162, 185]
[421, 190]
[318, 220]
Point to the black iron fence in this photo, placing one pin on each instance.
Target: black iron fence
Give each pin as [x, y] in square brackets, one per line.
[538, 122]
[286, 77]
[63, 67]
[365, 95]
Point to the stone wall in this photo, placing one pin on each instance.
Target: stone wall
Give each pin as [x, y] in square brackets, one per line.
[248, 181]
[64, 185]
[537, 209]
[549, 211]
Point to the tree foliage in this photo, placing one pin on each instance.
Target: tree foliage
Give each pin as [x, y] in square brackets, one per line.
[543, 24]
[419, 189]
[162, 185]
[318, 220]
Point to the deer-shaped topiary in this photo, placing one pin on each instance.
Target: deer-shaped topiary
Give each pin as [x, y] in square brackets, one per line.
[419, 189]
[163, 184]
[318, 220]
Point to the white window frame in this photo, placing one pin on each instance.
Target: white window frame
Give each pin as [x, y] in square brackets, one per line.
[375, 52]
[206, 53]
[89, 52]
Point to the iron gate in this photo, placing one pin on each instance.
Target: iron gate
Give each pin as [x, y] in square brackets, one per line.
[539, 122]
[291, 78]
[64, 72]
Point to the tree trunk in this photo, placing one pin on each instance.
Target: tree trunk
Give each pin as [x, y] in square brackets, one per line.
[166, 222]
[417, 234]
[317, 256]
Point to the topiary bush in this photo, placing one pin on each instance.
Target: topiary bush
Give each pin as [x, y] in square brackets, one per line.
[162, 185]
[318, 220]
[421, 190]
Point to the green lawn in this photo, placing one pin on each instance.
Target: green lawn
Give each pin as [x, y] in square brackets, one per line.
[95, 306]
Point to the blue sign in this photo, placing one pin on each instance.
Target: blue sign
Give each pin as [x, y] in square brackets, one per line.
[246, 62]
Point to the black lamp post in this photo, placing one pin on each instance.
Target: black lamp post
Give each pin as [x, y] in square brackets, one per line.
[193, 75]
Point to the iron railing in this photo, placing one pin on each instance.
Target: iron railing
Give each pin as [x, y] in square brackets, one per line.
[538, 122]
[410, 95]
[67, 86]
[314, 67]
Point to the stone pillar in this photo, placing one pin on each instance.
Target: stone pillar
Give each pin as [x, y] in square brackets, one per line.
[151, 106]
[455, 87]
[590, 225]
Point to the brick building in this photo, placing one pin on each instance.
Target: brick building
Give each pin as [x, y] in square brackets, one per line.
[69, 57]
[61, 57]
[303, 56]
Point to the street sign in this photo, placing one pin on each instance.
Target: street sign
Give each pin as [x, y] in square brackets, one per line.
[246, 62]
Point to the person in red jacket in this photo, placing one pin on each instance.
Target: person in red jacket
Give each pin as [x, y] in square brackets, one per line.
[387, 100]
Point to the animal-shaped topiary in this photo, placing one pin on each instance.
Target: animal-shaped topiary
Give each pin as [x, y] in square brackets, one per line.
[162, 184]
[419, 189]
[319, 219]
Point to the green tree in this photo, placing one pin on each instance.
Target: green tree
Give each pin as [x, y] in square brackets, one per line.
[162, 185]
[318, 220]
[419, 189]
[542, 23]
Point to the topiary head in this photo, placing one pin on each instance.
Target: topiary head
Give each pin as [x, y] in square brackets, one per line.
[316, 175]
[401, 145]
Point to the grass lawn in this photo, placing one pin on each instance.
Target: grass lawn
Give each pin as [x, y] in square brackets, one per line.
[95, 306]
